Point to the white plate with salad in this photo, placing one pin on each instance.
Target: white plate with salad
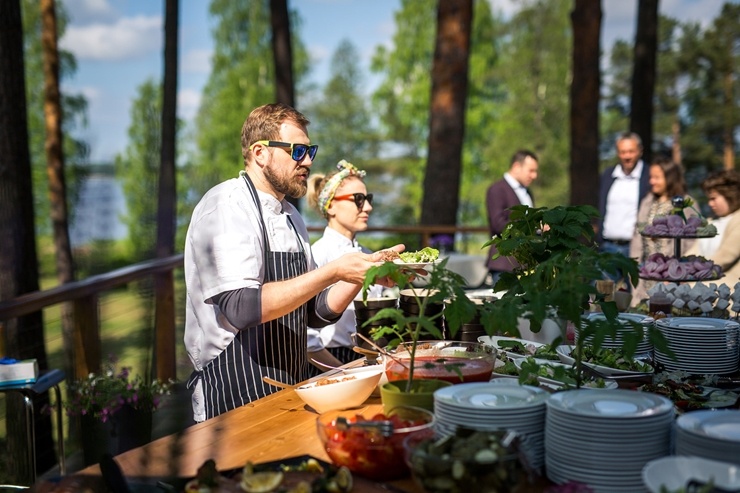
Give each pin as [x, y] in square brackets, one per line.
[518, 348]
[632, 366]
[550, 374]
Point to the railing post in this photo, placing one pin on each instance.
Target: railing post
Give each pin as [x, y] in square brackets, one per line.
[88, 348]
[164, 326]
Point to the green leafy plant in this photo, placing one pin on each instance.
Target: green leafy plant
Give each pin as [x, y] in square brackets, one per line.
[558, 265]
[442, 286]
[103, 394]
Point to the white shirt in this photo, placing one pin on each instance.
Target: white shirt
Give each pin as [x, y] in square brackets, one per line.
[331, 246]
[622, 203]
[224, 251]
[708, 246]
[520, 190]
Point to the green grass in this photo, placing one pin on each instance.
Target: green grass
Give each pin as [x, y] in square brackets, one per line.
[126, 332]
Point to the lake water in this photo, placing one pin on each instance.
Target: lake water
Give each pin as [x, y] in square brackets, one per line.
[99, 211]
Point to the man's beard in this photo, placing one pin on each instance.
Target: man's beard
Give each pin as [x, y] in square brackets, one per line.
[287, 184]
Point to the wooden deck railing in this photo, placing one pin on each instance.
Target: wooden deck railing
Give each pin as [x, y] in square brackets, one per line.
[84, 296]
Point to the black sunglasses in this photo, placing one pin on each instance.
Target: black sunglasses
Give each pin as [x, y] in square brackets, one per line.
[297, 151]
[358, 198]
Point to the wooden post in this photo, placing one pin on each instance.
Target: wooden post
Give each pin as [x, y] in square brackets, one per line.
[164, 348]
[88, 348]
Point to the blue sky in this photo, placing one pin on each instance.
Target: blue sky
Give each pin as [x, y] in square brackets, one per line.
[118, 46]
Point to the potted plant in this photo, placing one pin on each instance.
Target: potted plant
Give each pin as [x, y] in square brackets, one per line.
[559, 264]
[114, 409]
[408, 329]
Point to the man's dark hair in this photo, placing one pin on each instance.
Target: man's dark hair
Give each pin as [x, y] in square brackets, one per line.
[520, 155]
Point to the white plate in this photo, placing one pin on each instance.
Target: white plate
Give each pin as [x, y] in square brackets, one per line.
[618, 403]
[558, 385]
[721, 425]
[674, 472]
[696, 323]
[493, 341]
[414, 265]
[555, 384]
[564, 352]
[487, 396]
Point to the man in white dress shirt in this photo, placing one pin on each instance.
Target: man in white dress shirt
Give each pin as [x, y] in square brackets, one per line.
[621, 189]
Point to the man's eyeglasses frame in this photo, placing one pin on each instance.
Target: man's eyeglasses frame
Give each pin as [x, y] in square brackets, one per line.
[297, 151]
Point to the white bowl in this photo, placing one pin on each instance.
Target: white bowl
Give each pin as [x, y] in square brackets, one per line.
[351, 390]
[675, 471]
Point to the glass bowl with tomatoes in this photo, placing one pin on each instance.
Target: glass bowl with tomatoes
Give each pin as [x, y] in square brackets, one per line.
[371, 444]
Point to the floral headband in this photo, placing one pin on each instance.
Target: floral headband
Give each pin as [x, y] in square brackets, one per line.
[327, 193]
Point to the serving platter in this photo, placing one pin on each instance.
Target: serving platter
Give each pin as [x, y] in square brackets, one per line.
[495, 342]
[565, 356]
[674, 472]
[555, 384]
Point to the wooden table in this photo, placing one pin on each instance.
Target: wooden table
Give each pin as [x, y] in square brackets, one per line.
[275, 427]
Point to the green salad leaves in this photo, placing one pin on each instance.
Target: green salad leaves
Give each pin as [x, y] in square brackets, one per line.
[426, 254]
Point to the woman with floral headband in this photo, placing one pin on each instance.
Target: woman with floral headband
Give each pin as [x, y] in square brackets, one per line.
[342, 198]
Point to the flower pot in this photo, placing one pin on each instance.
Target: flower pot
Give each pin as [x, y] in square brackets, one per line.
[126, 429]
[393, 394]
[551, 329]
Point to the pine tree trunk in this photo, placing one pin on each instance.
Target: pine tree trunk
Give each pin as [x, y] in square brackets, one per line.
[584, 103]
[447, 115]
[643, 75]
[282, 53]
[23, 337]
[164, 355]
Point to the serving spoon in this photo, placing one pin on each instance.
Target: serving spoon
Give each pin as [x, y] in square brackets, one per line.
[382, 351]
[277, 383]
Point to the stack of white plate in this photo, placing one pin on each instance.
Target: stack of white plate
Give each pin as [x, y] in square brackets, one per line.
[702, 345]
[643, 347]
[603, 438]
[489, 406]
[712, 434]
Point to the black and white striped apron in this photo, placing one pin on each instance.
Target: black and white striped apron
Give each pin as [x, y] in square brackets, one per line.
[276, 349]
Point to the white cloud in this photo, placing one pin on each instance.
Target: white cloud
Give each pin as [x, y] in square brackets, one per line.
[188, 102]
[91, 93]
[87, 11]
[127, 38]
[197, 62]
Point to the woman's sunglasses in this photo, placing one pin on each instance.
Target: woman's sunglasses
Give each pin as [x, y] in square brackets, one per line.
[297, 151]
[358, 198]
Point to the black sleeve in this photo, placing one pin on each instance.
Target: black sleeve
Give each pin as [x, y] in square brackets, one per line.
[319, 313]
[241, 307]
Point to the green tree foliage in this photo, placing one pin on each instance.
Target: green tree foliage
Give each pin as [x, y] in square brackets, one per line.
[670, 78]
[713, 102]
[695, 109]
[74, 108]
[242, 77]
[341, 123]
[402, 104]
[534, 67]
[138, 170]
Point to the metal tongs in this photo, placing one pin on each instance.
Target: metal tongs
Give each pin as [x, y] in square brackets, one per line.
[385, 428]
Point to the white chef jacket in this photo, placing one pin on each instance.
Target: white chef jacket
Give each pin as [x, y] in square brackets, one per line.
[331, 246]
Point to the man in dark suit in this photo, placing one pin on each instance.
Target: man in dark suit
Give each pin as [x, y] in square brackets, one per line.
[621, 189]
[509, 191]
